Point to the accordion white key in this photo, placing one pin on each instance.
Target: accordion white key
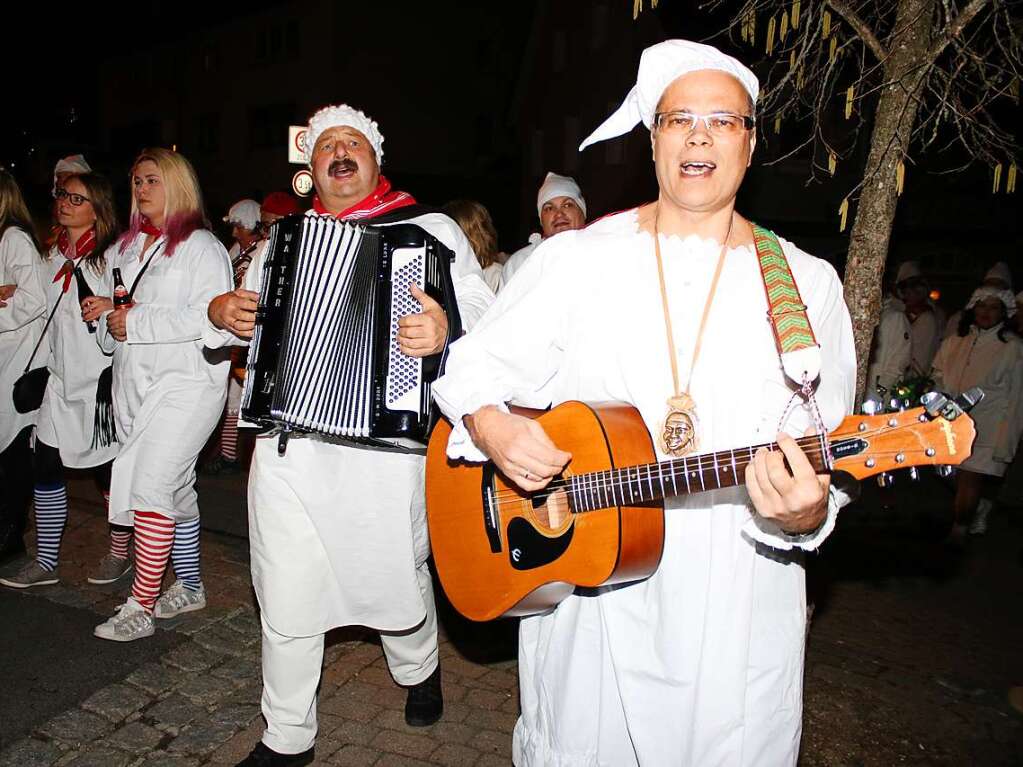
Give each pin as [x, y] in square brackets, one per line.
[324, 356]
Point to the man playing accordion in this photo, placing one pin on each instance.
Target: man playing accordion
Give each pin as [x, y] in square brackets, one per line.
[337, 530]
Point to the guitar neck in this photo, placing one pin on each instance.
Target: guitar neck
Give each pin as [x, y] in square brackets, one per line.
[643, 483]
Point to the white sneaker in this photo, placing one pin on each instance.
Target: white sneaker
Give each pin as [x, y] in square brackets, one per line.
[179, 599]
[979, 524]
[131, 622]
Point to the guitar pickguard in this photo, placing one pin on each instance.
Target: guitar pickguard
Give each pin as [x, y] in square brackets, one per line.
[528, 548]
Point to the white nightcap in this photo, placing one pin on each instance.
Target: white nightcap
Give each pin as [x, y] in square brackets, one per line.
[559, 186]
[659, 66]
[342, 114]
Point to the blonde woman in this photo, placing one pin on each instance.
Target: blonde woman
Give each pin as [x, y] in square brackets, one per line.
[168, 394]
[72, 430]
[22, 317]
[478, 227]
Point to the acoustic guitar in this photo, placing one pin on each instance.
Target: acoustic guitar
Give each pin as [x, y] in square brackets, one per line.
[501, 551]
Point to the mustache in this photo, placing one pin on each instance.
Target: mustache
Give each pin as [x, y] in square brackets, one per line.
[345, 164]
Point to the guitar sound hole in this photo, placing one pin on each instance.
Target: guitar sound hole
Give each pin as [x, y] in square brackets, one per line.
[551, 509]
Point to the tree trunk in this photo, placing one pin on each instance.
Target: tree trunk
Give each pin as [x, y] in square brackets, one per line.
[894, 119]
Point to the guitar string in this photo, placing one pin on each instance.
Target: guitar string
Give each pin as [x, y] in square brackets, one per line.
[707, 461]
[621, 483]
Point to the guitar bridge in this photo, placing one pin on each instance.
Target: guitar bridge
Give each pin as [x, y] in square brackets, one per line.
[491, 516]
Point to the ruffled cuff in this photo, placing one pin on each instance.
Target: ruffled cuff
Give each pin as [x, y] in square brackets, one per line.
[767, 531]
[215, 338]
[460, 444]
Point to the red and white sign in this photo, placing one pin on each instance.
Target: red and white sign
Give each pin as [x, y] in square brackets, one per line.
[302, 183]
[296, 144]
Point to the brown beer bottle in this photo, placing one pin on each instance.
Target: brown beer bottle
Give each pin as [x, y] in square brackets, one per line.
[121, 297]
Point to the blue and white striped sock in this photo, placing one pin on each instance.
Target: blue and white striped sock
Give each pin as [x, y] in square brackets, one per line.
[51, 516]
[185, 554]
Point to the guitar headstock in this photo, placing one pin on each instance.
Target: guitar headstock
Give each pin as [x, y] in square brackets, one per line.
[865, 445]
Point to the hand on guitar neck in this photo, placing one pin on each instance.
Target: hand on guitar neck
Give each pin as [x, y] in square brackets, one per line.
[792, 495]
[518, 446]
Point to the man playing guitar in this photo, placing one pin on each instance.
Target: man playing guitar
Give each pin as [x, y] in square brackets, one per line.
[701, 663]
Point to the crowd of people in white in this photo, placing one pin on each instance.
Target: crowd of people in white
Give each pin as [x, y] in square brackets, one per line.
[122, 351]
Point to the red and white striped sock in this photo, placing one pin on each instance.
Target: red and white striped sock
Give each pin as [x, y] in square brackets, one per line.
[154, 536]
[120, 537]
[229, 436]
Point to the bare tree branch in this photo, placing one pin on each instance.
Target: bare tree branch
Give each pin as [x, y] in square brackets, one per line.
[865, 33]
[955, 27]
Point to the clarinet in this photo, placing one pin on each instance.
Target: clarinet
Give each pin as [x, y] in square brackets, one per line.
[242, 260]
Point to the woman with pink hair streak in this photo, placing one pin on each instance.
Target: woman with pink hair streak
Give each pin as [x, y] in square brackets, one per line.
[168, 393]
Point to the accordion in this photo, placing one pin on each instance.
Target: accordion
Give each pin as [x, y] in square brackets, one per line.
[324, 356]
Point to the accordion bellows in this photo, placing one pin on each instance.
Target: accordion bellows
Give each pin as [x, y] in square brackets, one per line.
[324, 356]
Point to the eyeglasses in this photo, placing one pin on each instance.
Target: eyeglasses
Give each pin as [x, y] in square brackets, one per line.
[74, 199]
[716, 123]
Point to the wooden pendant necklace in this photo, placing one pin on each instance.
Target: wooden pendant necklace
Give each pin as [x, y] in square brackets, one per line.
[678, 430]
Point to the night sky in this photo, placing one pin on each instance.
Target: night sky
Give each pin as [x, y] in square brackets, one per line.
[459, 88]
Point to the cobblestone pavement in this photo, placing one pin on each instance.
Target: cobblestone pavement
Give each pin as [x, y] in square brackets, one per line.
[907, 664]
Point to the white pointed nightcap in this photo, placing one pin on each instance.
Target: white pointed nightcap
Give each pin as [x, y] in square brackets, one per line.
[343, 115]
[659, 66]
[559, 186]
[1000, 271]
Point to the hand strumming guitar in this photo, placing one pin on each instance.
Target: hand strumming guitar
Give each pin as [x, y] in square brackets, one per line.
[796, 500]
[518, 446]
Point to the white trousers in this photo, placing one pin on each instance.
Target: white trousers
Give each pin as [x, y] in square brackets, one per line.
[292, 665]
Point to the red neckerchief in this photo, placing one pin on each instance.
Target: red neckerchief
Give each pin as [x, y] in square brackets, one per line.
[381, 200]
[85, 245]
[148, 228]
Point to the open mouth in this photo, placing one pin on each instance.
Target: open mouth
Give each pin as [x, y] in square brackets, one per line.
[342, 169]
[697, 168]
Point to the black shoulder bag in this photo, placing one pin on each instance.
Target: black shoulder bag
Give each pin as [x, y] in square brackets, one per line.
[31, 384]
[104, 430]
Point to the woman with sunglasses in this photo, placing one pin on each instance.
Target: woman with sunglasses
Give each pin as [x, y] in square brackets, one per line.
[168, 394]
[22, 317]
[74, 428]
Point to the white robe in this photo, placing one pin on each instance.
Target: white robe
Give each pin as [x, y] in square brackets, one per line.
[169, 391]
[517, 259]
[347, 549]
[21, 323]
[893, 347]
[925, 334]
[700, 664]
[981, 359]
[67, 415]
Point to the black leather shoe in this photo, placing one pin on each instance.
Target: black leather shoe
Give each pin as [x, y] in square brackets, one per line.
[424, 703]
[262, 756]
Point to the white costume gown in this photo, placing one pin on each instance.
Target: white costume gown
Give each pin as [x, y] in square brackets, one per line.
[893, 347]
[21, 323]
[169, 390]
[701, 664]
[338, 536]
[338, 533]
[982, 359]
[67, 415]
[517, 259]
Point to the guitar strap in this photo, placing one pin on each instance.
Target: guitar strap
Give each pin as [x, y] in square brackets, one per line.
[797, 346]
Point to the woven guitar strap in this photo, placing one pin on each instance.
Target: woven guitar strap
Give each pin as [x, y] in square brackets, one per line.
[797, 346]
[800, 353]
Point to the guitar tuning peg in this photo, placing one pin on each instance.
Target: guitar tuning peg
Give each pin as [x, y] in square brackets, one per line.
[944, 470]
[872, 404]
[885, 479]
[914, 474]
